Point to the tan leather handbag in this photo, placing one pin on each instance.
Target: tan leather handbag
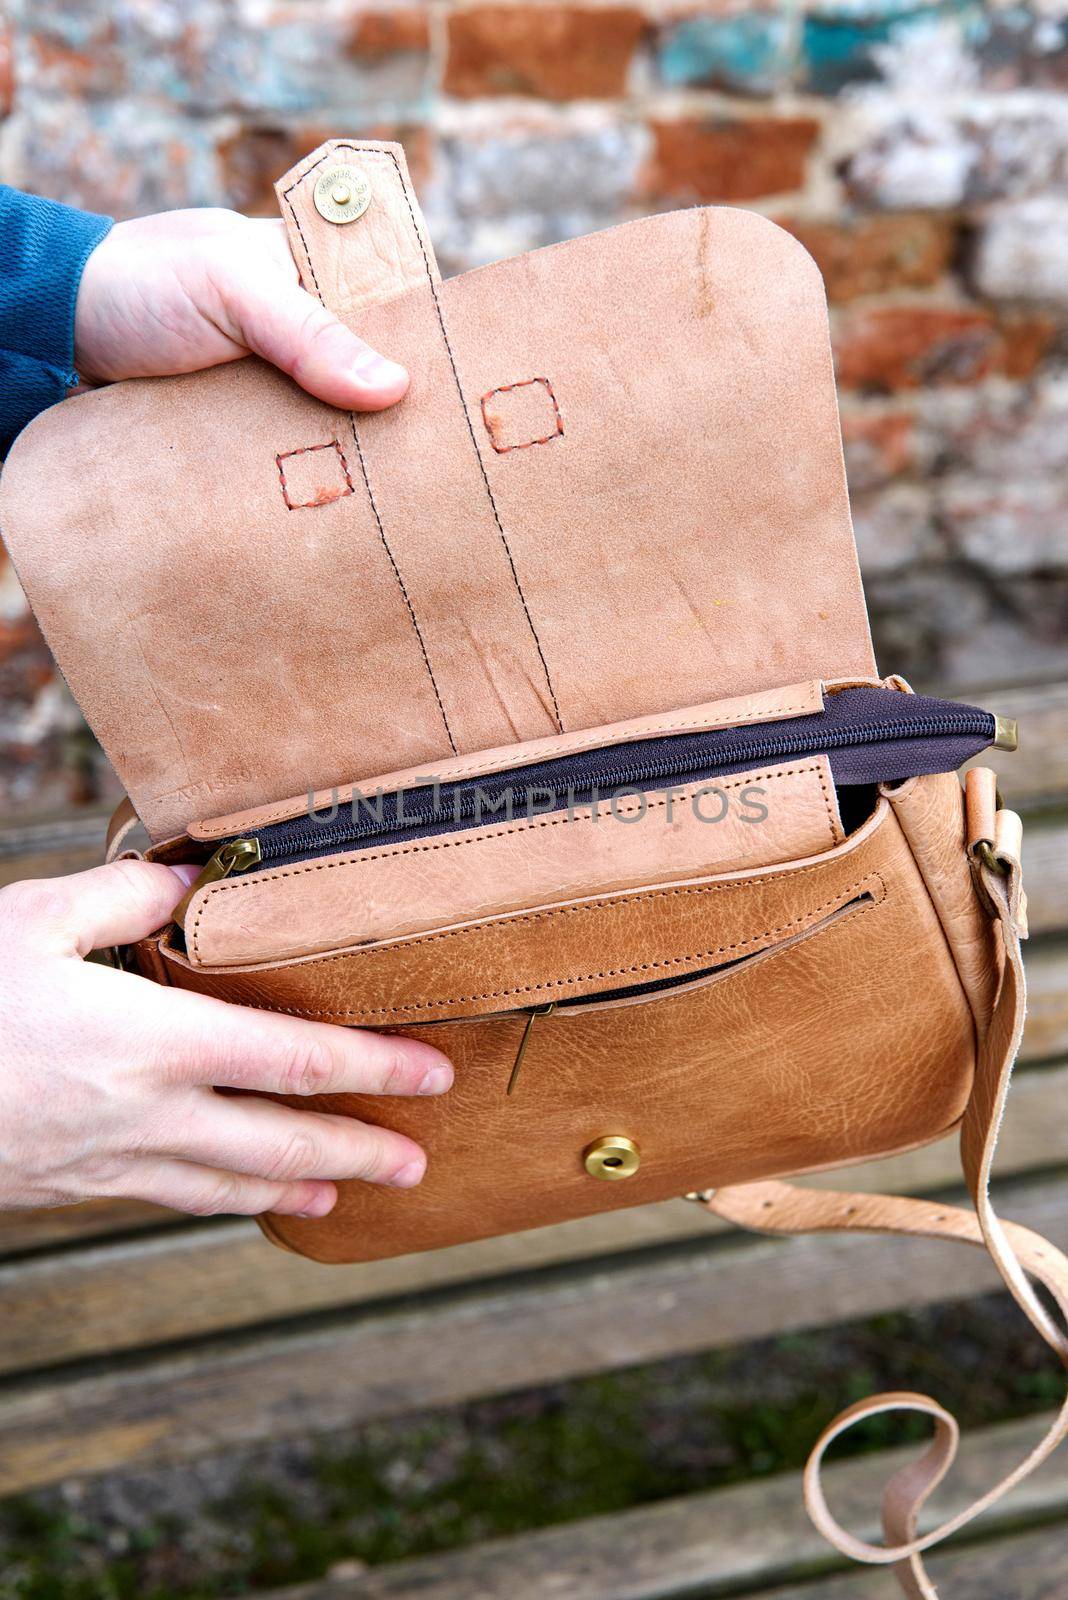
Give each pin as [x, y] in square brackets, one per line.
[538, 716]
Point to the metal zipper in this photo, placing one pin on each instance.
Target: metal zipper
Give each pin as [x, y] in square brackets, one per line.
[1002, 729]
[236, 855]
[241, 854]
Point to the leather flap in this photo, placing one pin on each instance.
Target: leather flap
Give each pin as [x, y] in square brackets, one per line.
[614, 489]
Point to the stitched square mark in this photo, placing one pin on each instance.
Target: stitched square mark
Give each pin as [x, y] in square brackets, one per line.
[521, 414]
[314, 476]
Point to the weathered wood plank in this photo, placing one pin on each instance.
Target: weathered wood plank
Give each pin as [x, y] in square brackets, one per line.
[1046, 1032]
[1028, 1566]
[57, 845]
[1037, 772]
[21, 1231]
[1046, 873]
[729, 1541]
[373, 1362]
[191, 1282]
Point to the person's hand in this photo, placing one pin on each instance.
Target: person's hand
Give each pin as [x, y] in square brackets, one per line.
[106, 1079]
[190, 289]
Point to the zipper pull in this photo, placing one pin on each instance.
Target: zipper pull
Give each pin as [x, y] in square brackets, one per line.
[532, 1017]
[237, 855]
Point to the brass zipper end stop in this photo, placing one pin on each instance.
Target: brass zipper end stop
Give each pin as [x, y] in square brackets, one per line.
[1006, 733]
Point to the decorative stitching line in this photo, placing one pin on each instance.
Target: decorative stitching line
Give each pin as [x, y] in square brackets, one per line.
[291, 808]
[588, 977]
[394, 852]
[470, 426]
[363, 469]
[400, 580]
[832, 821]
[309, 449]
[524, 444]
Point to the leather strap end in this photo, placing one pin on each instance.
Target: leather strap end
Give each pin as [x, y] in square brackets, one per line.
[981, 805]
[354, 225]
[124, 820]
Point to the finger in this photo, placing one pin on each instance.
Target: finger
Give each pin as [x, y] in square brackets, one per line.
[270, 1141]
[210, 1191]
[116, 904]
[294, 332]
[208, 1041]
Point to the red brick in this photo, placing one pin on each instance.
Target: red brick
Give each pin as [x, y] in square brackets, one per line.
[378, 34]
[252, 160]
[870, 255]
[557, 52]
[731, 160]
[879, 446]
[7, 72]
[1027, 339]
[913, 347]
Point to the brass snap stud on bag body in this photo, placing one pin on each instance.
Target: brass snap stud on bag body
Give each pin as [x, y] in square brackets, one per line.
[342, 194]
[612, 1157]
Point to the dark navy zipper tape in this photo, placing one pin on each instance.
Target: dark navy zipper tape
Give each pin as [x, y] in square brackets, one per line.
[870, 735]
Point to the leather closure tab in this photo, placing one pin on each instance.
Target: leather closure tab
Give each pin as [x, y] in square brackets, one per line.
[354, 225]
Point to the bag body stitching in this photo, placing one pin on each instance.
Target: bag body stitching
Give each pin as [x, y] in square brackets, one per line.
[522, 444]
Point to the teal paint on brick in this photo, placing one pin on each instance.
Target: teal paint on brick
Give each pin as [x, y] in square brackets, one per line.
[752, 54]
[838, 40]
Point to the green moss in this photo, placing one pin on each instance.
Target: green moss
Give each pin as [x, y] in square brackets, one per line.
[496, 1467]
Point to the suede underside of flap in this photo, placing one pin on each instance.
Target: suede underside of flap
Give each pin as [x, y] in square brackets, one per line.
[614, 488]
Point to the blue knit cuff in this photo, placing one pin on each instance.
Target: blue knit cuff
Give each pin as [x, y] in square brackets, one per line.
[43, 250]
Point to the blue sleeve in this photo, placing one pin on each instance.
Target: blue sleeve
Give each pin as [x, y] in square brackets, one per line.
[43, 250]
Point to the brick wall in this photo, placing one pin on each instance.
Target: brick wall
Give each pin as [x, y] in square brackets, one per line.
[919, 148]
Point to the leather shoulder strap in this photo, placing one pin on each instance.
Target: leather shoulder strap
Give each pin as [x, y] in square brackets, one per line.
[1019, 1254]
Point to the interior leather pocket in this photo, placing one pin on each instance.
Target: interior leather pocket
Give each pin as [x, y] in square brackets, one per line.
[593, 946]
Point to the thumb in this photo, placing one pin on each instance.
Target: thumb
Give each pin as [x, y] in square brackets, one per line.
[294, 332]
[116, 904]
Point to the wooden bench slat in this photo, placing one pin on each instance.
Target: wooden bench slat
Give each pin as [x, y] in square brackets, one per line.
[737, 1540]
[1027, 1566]
[1037, 772]
[1046, 873]
[383, 1362]
[1046, 1031]
[191, 1282]
[57, 845]
[21, 1231]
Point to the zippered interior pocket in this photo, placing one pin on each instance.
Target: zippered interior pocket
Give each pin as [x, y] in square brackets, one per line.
[867, 734]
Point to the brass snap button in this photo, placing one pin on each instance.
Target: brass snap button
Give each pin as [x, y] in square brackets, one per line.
[342, 194]
[614, 1156]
